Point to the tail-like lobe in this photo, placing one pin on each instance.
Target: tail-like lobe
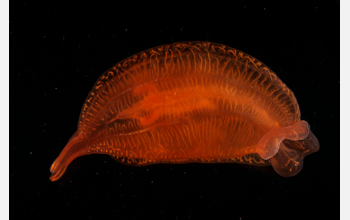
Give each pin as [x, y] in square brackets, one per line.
[75, 148]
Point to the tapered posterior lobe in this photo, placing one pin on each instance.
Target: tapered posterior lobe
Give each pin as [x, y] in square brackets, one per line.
[193, 102]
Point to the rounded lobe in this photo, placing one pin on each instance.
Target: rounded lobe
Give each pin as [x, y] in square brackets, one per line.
[289, 159]
[287, 147]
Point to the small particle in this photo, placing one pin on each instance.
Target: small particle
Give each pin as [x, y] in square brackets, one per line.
[30, 152]
[126, 29]
[151, 181]
[56, 88]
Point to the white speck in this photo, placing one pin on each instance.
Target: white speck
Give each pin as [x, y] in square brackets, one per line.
[30, 152]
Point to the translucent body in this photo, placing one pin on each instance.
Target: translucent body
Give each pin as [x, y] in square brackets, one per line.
[191, 102]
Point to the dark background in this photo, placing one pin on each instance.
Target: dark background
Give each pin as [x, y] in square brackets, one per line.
[58, 51]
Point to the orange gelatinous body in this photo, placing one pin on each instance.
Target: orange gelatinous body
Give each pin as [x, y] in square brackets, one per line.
[191, 102]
